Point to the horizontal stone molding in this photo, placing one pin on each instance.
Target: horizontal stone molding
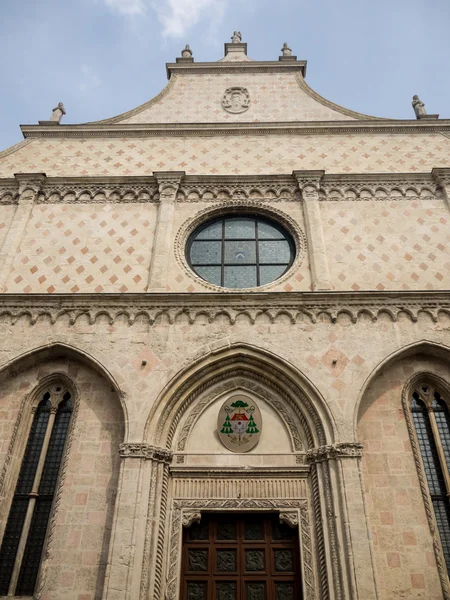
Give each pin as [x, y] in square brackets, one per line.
[145, 451]
[157, 308]
[235, 189]
[263, 128]
[334, 451]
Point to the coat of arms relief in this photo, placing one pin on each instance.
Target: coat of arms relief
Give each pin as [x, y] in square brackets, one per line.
[239, 424]
[236, 100]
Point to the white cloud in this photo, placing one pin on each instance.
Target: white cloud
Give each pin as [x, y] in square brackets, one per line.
[127, 7]
[89, 79]
[178, 16]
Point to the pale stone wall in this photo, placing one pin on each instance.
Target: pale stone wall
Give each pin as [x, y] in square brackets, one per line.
[71, 248]
[198, 98]
[80, 534]
[405, 560]
[230, 155]
[387, 245]
[7, 213]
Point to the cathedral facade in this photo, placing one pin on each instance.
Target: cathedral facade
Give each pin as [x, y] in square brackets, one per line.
[225, 345]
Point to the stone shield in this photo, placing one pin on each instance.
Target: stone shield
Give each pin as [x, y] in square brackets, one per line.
[239, 423]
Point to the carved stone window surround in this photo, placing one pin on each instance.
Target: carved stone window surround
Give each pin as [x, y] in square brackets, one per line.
[244, 206]
[413, 383]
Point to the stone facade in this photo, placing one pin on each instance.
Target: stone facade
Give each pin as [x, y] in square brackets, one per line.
[97, 293]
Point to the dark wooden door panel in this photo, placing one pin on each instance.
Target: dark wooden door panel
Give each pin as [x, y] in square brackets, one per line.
[240, 557]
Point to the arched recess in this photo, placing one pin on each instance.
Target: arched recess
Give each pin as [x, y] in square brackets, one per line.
[82, 513]
[309, 424]
[59, 350]
[397, 499]
[240, 360]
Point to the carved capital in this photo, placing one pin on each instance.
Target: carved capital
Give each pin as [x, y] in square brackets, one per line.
[442, 176]
[29, 182]
[168, 183]
[309, 182]
[146, 452]
[289, 518]
[332, 452]
[190, 517]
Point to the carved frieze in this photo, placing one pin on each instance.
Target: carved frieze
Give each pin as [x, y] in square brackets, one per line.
[310, 307]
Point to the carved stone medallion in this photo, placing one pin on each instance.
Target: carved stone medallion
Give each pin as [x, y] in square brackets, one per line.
[239, 424]
[236, 100]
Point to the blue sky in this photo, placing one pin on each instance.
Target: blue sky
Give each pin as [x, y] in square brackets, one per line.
[103, 57]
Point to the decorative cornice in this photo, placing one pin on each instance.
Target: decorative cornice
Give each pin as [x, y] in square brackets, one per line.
[235, 67]
[145, 451]
[296, 306]
[332, 452]
[235, 189]
[276, 128]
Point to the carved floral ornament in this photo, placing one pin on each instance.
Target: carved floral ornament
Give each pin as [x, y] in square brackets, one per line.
[236, 100]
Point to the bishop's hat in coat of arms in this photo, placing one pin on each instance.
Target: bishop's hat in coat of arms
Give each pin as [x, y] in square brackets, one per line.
[239, 424]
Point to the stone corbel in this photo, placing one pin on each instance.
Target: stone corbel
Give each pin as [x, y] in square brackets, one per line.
[190, 517]
[309, 185]
[335, 451]
[442, 178]
[289, 518]
[146, 452]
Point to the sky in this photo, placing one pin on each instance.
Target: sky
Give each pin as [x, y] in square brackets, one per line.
[104, 57]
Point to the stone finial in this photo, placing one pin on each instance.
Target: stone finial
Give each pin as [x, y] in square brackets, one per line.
[186, 52]
[285, 50]
[58, 113]
[236, 38]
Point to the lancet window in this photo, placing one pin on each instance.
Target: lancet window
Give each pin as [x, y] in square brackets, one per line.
[26, 528]
[431, 419]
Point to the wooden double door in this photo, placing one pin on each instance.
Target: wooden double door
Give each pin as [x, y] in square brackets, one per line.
[240, 557]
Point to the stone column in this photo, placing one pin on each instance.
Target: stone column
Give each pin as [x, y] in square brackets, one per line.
[133, 534]
[309, 184]
[442, 178]
[352, 564]
[29, 187]
[168, 182]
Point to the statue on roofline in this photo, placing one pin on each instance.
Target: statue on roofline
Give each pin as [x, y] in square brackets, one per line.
[419, 107]
[186, 52]
[58, 113]
[286, 51]
[236, 38]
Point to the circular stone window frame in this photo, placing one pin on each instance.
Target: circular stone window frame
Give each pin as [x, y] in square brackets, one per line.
[240, 207]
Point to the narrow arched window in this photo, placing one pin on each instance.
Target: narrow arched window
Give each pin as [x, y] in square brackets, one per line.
[26, 528]
[432, 423]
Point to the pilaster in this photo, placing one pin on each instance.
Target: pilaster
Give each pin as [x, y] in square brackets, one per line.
[29, 187]
[309, 184]
[352, 534]
[168, 184]
[442, 178]
[135, 508]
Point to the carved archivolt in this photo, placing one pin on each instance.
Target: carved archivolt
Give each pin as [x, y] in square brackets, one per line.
[187, 511]
[250, 207]
[245, 383]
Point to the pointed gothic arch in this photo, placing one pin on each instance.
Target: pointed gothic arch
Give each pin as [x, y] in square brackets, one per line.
[241, 360]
